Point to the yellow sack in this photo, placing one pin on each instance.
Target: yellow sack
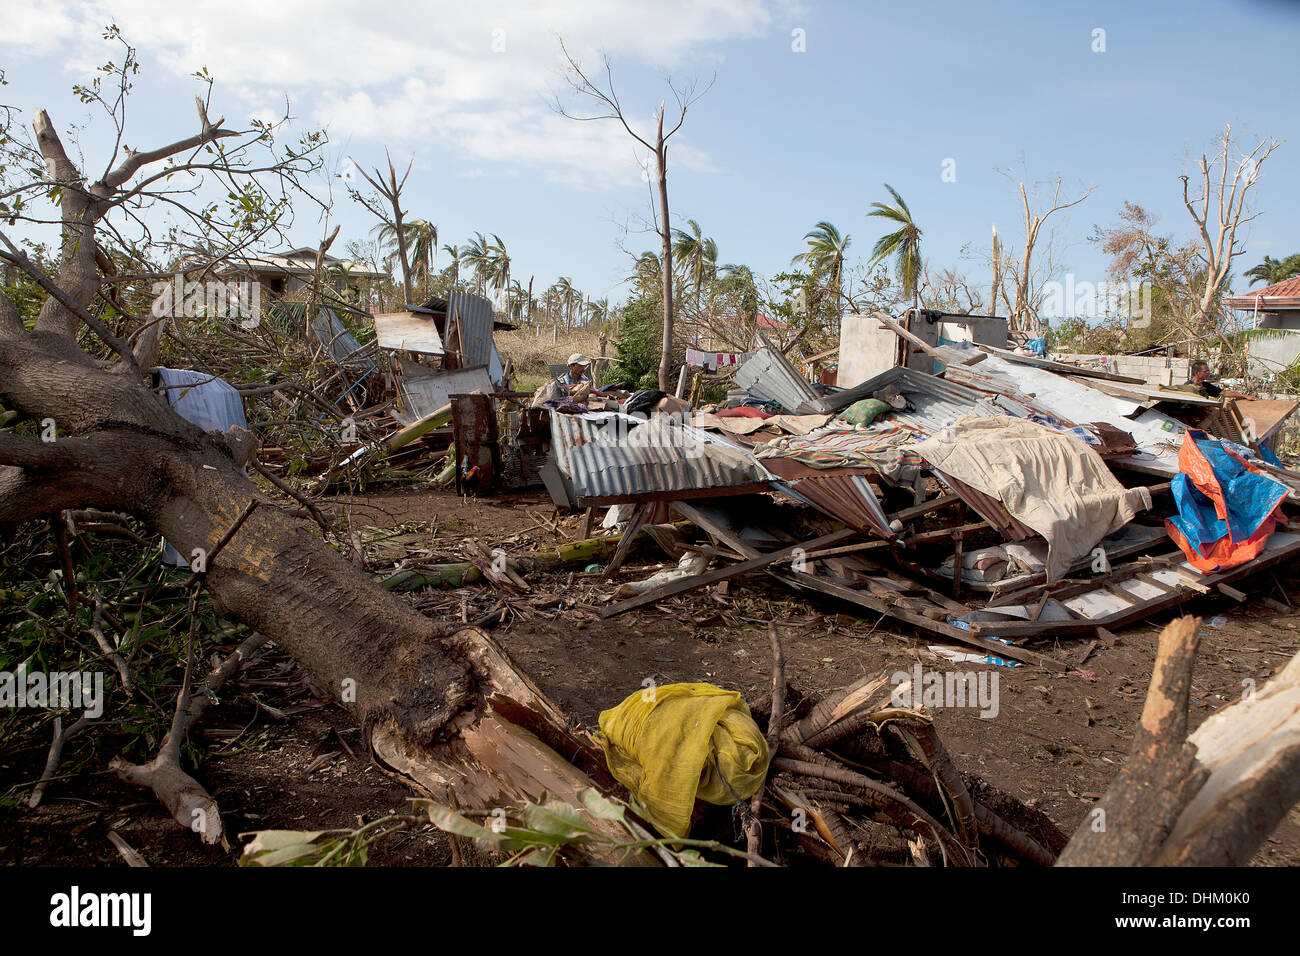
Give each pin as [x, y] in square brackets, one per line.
[673, 744]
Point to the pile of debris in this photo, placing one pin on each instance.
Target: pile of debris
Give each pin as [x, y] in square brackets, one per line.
[991, 499]
[996, 502]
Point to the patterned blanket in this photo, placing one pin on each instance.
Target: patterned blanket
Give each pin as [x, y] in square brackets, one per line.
[883, 449]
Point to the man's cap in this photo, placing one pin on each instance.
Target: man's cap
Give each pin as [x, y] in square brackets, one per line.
[577, 358]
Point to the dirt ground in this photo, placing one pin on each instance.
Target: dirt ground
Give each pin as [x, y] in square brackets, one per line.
[276, 754]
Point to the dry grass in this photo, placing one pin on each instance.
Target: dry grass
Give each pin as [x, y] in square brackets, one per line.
[531, 353]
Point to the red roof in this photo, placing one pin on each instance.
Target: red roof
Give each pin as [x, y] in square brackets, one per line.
[767, 322]
[1284, 294]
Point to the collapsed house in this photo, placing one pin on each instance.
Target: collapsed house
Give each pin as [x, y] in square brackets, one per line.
[990, 499]
[441, 348]
[993, 501]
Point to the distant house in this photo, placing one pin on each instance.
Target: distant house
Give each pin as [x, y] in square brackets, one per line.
[283, 273]
[1276, 306]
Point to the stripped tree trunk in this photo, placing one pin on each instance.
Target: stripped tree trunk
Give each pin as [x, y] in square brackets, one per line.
[1209, 799]
[422, 691]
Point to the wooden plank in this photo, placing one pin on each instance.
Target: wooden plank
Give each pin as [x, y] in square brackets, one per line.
[721, 574]
[942, 533]
[943, 501]
[1155, 582]
[695, 516]
[850, 549]
[943, 353]
[644, 497]
[1115, 591]
[1010, 629]
[1239, 596]
[639, 517]
[938, 627]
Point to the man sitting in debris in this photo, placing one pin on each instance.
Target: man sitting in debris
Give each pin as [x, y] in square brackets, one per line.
[578, 378]
[1201, 384]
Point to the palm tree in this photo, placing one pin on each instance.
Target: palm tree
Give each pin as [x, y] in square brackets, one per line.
[573, 302]
[825, 257]
[422, 243]
[646, 273]
[477, 255]
[904, 244]
[497, 270]
[1275, 270]
[697, 256]
[564, 293]
[739, 280]
[516, 299]
[454, 252]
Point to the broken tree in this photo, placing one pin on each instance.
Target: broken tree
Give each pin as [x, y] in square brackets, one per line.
[118, 446]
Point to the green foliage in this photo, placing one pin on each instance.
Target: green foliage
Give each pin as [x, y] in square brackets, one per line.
[1275, 270]
[316, 847]
[904, 245]
[145, 618]
[545, 830]
[640, 341]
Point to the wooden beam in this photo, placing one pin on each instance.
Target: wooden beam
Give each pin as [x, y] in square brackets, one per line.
[937, 627]
[943, 501]
[696, 517]
[639, 516]
[721, 574]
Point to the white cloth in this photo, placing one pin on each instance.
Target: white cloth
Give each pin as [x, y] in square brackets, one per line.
[712, 361]
[1047, 480]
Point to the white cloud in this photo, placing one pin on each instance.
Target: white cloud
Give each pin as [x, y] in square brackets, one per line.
[473, 76]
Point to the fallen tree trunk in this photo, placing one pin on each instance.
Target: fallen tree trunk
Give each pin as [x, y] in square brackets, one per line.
[1208, 799]
[416, 687]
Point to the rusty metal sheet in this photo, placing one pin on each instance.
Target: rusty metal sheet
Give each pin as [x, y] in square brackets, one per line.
[611, 455]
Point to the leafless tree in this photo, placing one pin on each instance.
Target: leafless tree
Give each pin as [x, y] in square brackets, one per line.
[1219, 210]
[1026, 276]
[606, 106]
[389, 190]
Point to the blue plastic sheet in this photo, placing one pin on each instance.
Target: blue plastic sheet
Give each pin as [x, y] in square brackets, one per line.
[209, 402]
[1248, 498]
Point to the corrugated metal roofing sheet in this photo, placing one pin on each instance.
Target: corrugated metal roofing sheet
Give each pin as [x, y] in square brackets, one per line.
[936, 402]
[849, 498]
[475, 316]
[343, 346]
[426, 394]
[770, 376]
[612, 455]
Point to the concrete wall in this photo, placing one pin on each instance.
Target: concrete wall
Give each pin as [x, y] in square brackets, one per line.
[980, 331]
[1152, 369]
[1270, 355]
[867, 349]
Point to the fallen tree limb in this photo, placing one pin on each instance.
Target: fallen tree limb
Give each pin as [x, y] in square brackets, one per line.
[1209, 799]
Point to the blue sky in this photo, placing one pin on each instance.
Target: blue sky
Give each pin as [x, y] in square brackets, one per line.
[882, 93]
